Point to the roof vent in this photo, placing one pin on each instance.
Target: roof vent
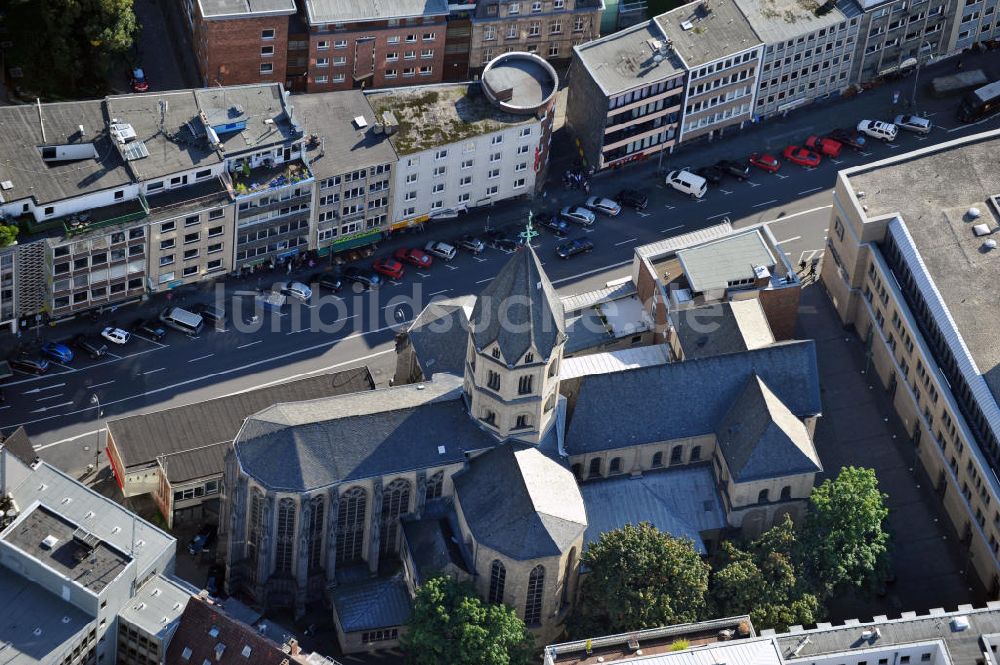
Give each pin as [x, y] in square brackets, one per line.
[49, 542]
[6, 184]
[981, 230]
[960, 623]
[421, 386]
[66, 619]
[360, 122]
[657, 58]
[116, 529]
[140, 607]
[687, 25]
[441, 450]
[973, 213]
[37, 632]
[246, 651]
[990, 244]
[213, 631]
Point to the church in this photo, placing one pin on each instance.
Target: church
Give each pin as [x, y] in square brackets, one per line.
[499, 466]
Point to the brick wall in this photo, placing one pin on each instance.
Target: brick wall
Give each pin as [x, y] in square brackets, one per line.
[230, 52]
[781, 306]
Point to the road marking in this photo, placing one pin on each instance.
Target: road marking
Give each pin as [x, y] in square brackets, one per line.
[793, 238]
[810, 191]
[725, 191]
[153, 371]
[423, 274]
[836, 161]
[98, 385]
[38, 390]
[450, 267]
[779, 175]
[54, 406]
[759, 205]
[479, 259]
[798, 214]
[53, 362]
[296, 332]
[201, 358]
[672, 228]
[642, 214]
[625, 242]
[483, 281]
[243, 346]
[864, 154]
[701, 200]
[753, 184]
[892, 146]
[721, 214]
[57, 395]
[921, 138]
[810, 254]
[437, 293]
[668, 206]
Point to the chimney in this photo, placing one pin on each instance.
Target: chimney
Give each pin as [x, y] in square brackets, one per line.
[293, 646]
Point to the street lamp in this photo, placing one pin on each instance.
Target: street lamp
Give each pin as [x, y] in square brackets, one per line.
[916, 74]
[94, 399]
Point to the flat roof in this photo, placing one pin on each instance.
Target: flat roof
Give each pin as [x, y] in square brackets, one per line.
[524, 80]
[351, 11]
[707, 30]
[75, 553]
[932, 190]
[782, 20]
[341, 145]
[157, 605]
[717, 328]
[245, 8]
[714, 265]
[628, 59]
[437, 115]
[36, 626]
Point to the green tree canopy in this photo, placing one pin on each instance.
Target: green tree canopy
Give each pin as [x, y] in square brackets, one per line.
[761, 580]
[639, 577]
[844, 541]
[450, 624]
[8, 234]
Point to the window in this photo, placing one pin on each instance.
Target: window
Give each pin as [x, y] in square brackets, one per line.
[536, 7]
[519, 183]
[438, 187]
[529, 358]
[191, 237]
[534, 29]
[166, 227]
[498, 576]
[323, 62]
[490, 191]
[533, 601]
[426, 70]
[411, 39]
[256, 531]
[338, 78]
[323, 45]
[658, 460]
[214, 249]
[595, 468]
[215, 231]
[266, 51]
[555, 28]
[315, 536]
[762, 496]
[695, 454]
[339, 60]
[464, 197]
[514, 8]
[490, 33]
[522, 149]
[266, 68]
[340, 43]
[553, 50]
[559, 4]
[524, 385]
[394, 39]
[676, 454]
[395, 502]
[427, 53]
[440, 154]
[190, 254]
[351, 525]
[435, 486]
[390, 73]
[467, 164]
[492, 380]
[578, 24]
[192, 220]
[267, 34]
[322, 79]
[428, 36]
[285, 537]
[786, 492]
[522, 422]
[409, 55]
[616, 465]
[167, 244]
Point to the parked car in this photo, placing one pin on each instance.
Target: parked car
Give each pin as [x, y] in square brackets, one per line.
[606, 206]
[765, 162]
[203, 540]
[825, 146]
[633, 198]
[740, 170]
[366, 278]
[687, 183]
[297, 290]
[801, 156]
[573, 247]
[442, 250]
[849, 137]
[328, 280]
[58, 352]
[391, 268]
[116, 335]
[913, 123]
[713, 174]
[415, 257]
[91, 347]
[878, 130]
[137, 80]
[471, 243]
[578, 215]
[558, 226]
[501, 239]
[212, 313]
[149, 329]
[30, 364]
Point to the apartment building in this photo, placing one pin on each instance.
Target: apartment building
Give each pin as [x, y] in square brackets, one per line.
[625, 100]
[365, 44]
[466, 145]
[912, 267]
[808, 53]
[894, 35]
[722, 53]
[547, 28]
[353, 163]
[238, 42]
[975, 22]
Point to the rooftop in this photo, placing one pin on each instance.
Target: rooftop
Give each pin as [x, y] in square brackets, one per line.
[245, 8]
[157, 605]
[717, 328]
[932, 190]
[782, 20]
[207, 635]
[432, 541]
[437, 115]
[36, 626]
[613, 361]
[353, 11]
[440, 335]
[336, 144]
[519, 82]
[628, 59]
[73, 552]
[703, 32]
[371, 603]
[720, 264]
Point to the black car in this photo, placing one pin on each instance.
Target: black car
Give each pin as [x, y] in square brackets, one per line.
[366, 278]
[500, 239]
[713, 174]
[556, 225]
[632, 198]
[203, 540]
[849, 137]
[30, 364]
[92, 347]
[211, 313]
[574, 247]
[736, 169]
[149, 329]
[328, 280]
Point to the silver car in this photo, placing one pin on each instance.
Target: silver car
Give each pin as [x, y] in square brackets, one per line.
[913, 123]
[578, 215]
[607, 206]
[442, 250]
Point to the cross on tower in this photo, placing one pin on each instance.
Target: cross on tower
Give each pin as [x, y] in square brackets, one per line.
[529, 232]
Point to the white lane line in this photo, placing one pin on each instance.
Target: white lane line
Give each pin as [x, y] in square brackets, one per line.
[836, 161]
[481, 260]
[668, 206]
[672, 228]
[153, 371]
[699, 200]
[38, 390]
[68, 439]
[53, 362]
[810, 191]
[201, 358]
[753, 184]
[642, 214]
[84, 369]
[792, 239]
[450, 267]
[864, 154]
[54, 406]
[725, 191]
[765, 203]
[243, 346]
[296, 332]
[98, 385]
[483, 281]
[437, 293]
[42, 399]
[799, 214]
[423, 274]
[626, 241]
[721, 214]
[892, 146]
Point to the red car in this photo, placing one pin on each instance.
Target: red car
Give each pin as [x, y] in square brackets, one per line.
[391, 268]
[766, 162]
[137, 80]
[825, 146]
[415, 257]
[801, 156]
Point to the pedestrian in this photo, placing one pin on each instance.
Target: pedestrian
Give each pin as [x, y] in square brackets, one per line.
[289, 271]
[958, 65]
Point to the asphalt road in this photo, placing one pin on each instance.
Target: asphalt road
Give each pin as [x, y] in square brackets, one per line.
[61, 414]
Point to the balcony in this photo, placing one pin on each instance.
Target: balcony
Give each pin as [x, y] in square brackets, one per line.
[84, 222]
[247, 181]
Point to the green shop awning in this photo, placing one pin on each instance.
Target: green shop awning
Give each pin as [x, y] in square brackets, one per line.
[356, 240]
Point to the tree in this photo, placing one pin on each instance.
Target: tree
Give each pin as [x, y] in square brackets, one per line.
[450, 624]
[844, 541]
[639, 577]
[762, 581]
[8, 234]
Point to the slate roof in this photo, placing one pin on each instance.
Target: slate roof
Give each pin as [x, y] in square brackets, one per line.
[303, 446]
[440, 335]
[202, 462]
[686, 398]
[193, 643]
[521, 503]
[519, 309]
[433, 540]
[761, 438]
[717, 328]
[141, 439]
[372, 603]
[20, 446]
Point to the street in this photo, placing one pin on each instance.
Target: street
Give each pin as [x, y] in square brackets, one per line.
[64, 420]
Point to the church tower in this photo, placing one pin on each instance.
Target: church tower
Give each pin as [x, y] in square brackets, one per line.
[516, 340]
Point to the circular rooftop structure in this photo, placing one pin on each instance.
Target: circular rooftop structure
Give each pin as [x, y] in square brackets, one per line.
[520, 83]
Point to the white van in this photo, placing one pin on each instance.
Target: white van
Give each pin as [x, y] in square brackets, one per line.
[878, 129]
[688, 183]
[182, 320]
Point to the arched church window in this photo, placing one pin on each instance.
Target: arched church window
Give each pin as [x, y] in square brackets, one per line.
[616, 465]
[533, 602]
[316, 521]
[567, 578]
[285, 537]
[658, 459]
[395, 502]
[256, 530]
[351, 525]
[595, 467]
[762, 497]
[435, 486]
[498, 577]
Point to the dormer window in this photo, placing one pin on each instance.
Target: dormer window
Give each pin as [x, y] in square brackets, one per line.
[496, 352]
[529, 357]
